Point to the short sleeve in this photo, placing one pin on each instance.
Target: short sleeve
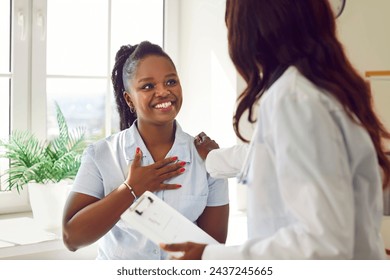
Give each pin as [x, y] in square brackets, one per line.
[88, 179]
[218, 192]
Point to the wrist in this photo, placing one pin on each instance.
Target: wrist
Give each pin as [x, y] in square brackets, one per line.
[130, 188]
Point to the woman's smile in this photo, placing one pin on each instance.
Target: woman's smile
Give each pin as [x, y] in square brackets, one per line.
[164, 106]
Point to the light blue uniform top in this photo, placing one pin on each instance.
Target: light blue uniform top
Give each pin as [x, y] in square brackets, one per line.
[105, 166]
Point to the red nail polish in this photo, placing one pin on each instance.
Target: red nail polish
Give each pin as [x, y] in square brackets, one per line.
[178, 186]
[181, 170]
[182, 163]
[137, 150]
[174, 158]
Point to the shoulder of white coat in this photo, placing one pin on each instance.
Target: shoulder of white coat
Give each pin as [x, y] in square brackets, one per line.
[293, 86]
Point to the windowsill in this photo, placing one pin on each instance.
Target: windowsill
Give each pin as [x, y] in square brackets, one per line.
[21, 238]
[19, 235]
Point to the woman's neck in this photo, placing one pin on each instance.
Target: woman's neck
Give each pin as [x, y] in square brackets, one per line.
[157, 138]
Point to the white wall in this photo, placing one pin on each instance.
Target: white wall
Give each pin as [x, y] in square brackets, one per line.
[364, 31]
[197, 38]
[207, 75]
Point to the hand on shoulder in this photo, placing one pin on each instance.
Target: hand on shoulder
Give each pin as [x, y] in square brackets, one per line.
[204, 144]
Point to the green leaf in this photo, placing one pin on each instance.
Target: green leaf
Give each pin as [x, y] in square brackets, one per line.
[32, 160]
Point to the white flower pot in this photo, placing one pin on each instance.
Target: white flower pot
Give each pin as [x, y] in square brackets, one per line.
[47, 203]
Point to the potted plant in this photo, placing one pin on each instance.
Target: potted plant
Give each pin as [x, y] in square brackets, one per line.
[45, 167]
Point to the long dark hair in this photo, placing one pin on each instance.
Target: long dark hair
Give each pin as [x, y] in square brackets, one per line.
[265, 37]
[126, 63]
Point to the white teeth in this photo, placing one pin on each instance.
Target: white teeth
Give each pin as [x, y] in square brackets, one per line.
[163, 105]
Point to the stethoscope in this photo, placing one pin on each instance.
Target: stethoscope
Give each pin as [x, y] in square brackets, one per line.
[242, 177]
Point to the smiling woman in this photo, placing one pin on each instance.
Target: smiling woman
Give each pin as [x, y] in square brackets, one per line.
[156, 77]
[151, 153]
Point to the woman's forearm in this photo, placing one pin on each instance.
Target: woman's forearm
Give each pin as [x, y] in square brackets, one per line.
[94, 218]
[214, 221]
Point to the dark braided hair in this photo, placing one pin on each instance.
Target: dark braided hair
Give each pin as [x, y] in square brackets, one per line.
[126, 63]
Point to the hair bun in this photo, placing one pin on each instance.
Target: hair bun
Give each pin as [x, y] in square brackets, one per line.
[125, 51]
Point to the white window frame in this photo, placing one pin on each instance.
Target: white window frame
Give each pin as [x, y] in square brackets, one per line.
[12, 201]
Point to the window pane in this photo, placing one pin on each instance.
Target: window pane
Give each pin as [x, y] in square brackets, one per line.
[4, 107]
[77, 37]
[82, 102]
[4, 35]
[114, 115]
[4, 119]
[134, 21]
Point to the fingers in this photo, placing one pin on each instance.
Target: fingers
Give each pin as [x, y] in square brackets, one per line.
[171, 174]
[176, 251]
[204, 145]
[169, 186]
[202, 134]
[210, 143]
[188, 250]
[200, 138]
[163, 187]
[173, 169]
[164, 162]
[152, 177]
[137, 157]
[177, 247]
[165, 165]
[203, 140]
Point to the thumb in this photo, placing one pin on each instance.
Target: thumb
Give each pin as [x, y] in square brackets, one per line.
[137, 157]
[173, 247]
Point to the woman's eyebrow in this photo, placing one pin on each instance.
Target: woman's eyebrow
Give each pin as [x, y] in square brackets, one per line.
[145, 79]
[171, 75]
[148, 79]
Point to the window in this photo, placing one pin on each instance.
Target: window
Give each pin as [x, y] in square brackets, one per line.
[5, 67]
[63, 51]
[5, 70]
[80, 56]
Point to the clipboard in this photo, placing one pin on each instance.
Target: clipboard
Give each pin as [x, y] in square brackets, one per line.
[161, 223]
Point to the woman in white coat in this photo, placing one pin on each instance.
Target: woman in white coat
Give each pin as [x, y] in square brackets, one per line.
[316, 164]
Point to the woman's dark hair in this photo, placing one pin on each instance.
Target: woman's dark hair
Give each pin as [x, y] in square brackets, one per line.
[265, 37]
[126, 62]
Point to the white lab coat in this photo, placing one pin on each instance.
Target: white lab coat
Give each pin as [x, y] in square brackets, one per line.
[314, 185]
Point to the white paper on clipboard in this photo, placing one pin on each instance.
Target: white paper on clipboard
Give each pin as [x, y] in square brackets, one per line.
[161, 223]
